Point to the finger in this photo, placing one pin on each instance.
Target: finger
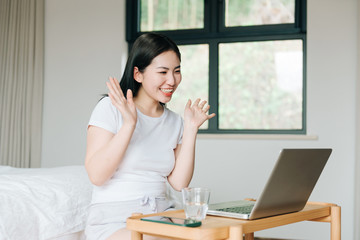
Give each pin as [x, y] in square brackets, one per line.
[129, 96]
[211, 116]
[188, 104]
[202, 104]
[112, 81]
[116, 83]
[112, 92]
[196, 103]
[111, 85]
[116, 86]
[206, 109]
[114, 101]
[110, 88]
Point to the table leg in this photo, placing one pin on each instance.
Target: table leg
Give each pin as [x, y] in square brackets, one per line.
[235, 233]
[249, 236]
[136, 235]
[335, 223]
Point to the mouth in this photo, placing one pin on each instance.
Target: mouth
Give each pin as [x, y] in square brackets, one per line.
[167, 91]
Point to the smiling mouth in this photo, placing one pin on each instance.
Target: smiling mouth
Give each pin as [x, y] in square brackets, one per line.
[167, 91]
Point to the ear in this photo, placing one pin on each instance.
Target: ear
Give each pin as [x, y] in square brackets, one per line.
[138, 75]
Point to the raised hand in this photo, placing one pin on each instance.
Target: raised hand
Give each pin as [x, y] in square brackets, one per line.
[125, 105]
[196, 114]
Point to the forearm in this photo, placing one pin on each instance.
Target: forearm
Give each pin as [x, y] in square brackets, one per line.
[194, 116]
[185, 158]
[102, 164]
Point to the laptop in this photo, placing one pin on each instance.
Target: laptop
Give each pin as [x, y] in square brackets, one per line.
[288, 189]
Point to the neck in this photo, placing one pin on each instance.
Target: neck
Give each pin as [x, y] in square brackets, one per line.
[149, 108]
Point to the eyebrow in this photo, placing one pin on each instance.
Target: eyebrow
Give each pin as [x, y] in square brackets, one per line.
[167, 67]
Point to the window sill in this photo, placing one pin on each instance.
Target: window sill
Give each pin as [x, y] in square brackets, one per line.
[258, 136]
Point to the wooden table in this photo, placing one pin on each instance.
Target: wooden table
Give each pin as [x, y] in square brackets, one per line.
[214, 227]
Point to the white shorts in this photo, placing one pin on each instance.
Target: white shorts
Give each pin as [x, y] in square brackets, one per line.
[106, 218]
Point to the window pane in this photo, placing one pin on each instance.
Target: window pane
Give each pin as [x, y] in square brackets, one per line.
[258, 12]
[261, 85]
[195, 77]
[157, 15]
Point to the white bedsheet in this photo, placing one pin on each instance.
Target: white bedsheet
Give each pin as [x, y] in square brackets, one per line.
[43, 203]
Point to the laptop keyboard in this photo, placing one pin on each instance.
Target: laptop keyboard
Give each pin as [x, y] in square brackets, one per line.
[240, 209]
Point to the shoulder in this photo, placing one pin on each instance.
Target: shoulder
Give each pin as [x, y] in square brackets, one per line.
[173, 117]
[105, 115]
[171, 114]
[104, 102]
[176, 122]
[105, 105]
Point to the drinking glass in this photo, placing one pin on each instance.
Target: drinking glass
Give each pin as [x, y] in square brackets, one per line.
[195, 201]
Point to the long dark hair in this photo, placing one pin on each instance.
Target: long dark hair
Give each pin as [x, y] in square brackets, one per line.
[145, 49]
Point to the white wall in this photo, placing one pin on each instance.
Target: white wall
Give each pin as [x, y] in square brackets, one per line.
[85, 43]
[357, 165]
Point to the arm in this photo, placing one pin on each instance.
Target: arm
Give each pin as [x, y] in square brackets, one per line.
[105, 150]
[194, 117]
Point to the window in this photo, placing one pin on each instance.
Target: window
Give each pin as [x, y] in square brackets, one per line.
[247, 58]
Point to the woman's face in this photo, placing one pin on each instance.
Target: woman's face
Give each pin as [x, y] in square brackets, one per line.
[161, 78]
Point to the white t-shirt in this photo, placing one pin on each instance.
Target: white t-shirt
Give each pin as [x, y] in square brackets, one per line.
[149, 158]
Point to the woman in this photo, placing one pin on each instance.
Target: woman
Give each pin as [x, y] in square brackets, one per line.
[135, 144]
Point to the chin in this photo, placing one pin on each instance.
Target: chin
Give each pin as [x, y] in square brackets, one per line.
[165, 99]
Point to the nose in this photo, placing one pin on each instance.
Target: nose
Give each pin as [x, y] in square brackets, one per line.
[171, 79]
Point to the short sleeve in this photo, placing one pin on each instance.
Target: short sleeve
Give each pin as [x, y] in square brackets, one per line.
[106, 116]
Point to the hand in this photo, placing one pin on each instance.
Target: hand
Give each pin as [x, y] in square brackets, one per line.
[125, 105]
[196, 114]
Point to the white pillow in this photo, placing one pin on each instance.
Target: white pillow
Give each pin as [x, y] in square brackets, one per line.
[43, 203]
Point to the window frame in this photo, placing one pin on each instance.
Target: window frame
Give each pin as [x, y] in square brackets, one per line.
[214, 33]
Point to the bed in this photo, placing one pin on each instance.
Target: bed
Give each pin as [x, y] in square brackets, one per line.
[43, 203]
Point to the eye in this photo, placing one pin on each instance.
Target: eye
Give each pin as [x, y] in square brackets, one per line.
[163, 72]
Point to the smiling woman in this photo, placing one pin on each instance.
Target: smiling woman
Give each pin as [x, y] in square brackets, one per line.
[135, 144]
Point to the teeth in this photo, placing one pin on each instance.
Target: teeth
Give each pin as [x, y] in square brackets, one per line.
[166, 90]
